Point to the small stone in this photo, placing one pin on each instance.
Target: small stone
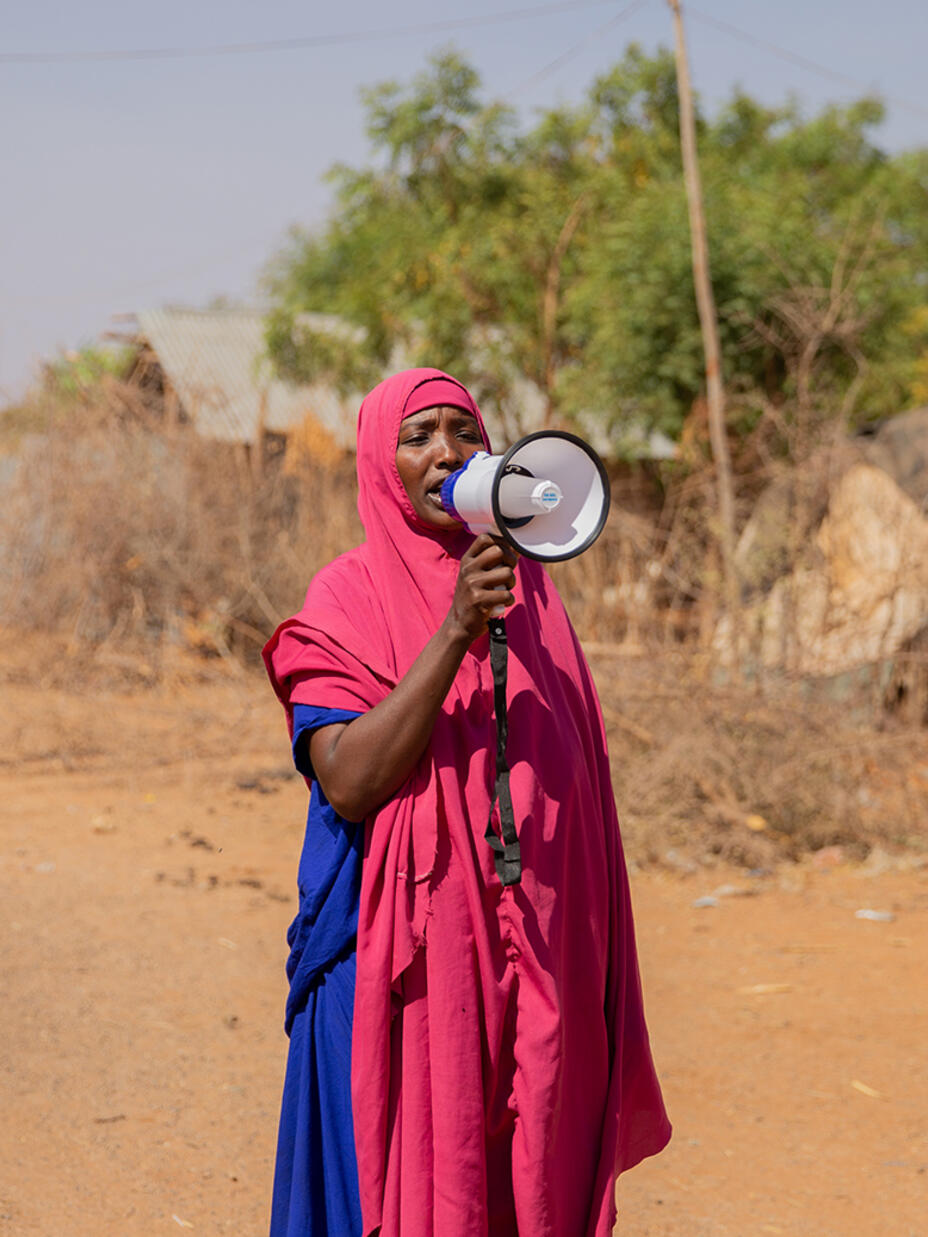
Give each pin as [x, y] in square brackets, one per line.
[828, 857]
[875, 916]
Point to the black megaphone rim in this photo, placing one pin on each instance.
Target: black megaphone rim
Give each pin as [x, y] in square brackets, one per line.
[500, 520]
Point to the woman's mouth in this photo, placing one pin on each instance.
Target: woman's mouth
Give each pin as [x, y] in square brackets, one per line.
[433, 494]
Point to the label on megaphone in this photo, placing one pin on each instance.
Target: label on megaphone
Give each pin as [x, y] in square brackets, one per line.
[521, 496]
[548, 496]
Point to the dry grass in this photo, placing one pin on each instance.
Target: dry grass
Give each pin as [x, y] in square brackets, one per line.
[114, 533]
[711, 772]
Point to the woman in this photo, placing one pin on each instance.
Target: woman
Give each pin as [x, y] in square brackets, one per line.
[500, 1069]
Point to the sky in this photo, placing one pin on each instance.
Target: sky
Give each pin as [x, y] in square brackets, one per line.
[131, 182]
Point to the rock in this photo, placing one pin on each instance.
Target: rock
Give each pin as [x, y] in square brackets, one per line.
[860, 594]
[828, 857]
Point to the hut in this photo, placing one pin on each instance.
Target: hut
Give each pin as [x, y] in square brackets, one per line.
[209, 369]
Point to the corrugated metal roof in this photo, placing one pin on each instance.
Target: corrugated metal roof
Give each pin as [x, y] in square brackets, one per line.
[217, 363]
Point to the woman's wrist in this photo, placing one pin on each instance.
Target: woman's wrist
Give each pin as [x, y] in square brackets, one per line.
[456, 634]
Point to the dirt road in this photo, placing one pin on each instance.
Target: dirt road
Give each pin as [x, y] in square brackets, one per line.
[148, 847]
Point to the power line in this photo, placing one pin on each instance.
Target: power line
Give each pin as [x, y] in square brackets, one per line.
[439, 27]
[575, 50]
[803, 62]
[128, 290]
[296, 44]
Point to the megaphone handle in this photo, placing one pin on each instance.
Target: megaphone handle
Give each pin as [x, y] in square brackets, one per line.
[507, 855]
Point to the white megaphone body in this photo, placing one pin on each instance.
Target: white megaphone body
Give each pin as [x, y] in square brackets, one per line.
[548, 496]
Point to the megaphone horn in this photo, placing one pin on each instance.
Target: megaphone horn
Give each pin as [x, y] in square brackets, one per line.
[548, 496]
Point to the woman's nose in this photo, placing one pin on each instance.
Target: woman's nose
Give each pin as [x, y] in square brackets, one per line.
[448, 452]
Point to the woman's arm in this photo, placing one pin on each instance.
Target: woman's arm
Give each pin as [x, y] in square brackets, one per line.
[359, 765]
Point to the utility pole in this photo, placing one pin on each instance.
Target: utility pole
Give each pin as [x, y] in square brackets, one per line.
[705, 302]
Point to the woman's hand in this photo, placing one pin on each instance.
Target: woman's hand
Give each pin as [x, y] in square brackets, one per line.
[360, 764]
[486, 578]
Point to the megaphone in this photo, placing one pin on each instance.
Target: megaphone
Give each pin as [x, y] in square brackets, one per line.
[548, 496]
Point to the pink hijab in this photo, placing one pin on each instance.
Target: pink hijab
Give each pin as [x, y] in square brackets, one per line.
[366, 618]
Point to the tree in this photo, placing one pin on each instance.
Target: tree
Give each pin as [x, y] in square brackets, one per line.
[560, 253]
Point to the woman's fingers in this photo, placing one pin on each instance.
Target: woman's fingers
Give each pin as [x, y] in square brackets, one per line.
[496, 579]
[488, 551]
[484, 540]
[488, 574]
[510, 555]
[486, 579]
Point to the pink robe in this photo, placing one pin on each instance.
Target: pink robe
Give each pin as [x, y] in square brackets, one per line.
[501, 1072]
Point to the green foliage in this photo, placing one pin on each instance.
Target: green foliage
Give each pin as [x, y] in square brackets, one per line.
[562, 253]
[70, 382]
[76, 374]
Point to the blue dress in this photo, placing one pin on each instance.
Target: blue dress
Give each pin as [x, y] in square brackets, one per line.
[316, 1175]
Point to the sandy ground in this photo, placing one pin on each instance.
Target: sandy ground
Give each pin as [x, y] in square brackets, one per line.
[148, 848]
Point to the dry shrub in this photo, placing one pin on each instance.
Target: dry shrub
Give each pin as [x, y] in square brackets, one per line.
[652, 580]
[711, 771]
[116, 532]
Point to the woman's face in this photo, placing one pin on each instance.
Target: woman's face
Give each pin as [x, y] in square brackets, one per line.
[433, 444]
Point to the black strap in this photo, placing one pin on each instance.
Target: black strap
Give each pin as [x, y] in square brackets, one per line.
[506, 856]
